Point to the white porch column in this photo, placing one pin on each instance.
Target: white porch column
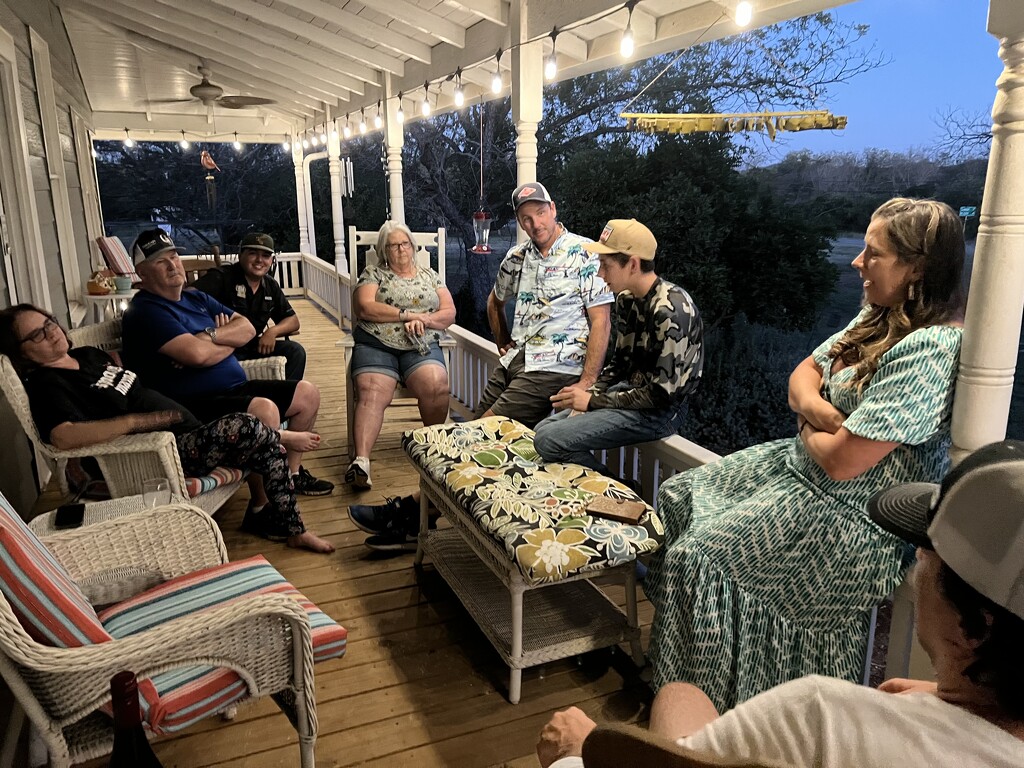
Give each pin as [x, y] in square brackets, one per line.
[992, 327]
[394, 140]
[527, 92]
[337, 215]
[300, 194]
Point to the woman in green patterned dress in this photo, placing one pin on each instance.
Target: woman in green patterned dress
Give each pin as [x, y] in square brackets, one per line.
[771, 567]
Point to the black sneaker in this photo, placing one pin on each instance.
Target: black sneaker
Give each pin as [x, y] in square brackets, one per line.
[399, 541]
[308, 485]
[374, 518]
[255, 522]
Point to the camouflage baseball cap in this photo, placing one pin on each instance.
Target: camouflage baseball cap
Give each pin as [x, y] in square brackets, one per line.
[257, 240]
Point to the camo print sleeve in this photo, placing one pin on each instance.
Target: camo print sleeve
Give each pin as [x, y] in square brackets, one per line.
[659, 351]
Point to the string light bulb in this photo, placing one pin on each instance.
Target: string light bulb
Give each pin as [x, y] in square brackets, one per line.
[377, 121]
[323, 136]
[460, 95]
[347, 130]
[626, 45]
[286, 145]
[314, 140]
[401, 112]
[496, 84]
[425, 104]
[184, 142]
[305, 144]
[744, 13]
[551, 64]
[129, 142]
[362, 121]
[237, 144]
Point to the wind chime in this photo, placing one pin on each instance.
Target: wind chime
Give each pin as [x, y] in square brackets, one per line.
[481, 219]
[211, 184]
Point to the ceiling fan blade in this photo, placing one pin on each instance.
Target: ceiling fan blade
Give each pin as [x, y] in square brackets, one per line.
[241, 102]
[169, 101]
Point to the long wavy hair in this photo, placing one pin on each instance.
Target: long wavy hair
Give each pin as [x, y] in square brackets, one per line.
[926, 234]
[11, 345]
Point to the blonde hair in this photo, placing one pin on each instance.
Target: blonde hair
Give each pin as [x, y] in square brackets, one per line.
[925, 234]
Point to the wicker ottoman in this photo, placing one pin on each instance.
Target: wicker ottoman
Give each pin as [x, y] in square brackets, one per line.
[521, 549]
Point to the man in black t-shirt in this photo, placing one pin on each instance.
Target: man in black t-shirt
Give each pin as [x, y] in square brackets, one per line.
[248, 288]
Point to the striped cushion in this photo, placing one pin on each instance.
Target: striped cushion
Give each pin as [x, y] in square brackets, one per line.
[46, 600]
[117, 258]
[218, 476]
[48, 603]
[189, 694]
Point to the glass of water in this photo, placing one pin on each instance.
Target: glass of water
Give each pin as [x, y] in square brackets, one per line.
[156, 492]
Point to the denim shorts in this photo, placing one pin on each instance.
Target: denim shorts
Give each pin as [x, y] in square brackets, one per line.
[370, 355]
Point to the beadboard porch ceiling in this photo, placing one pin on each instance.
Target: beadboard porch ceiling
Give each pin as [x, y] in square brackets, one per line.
[323, 59]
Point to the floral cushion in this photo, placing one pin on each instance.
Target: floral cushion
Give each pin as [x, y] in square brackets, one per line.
[536, 511]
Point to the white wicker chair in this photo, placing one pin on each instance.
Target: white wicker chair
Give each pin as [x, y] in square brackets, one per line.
[366, 242]
[127, 461]
[265, 638]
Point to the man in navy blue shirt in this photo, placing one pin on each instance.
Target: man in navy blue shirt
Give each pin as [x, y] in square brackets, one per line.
[182, 344]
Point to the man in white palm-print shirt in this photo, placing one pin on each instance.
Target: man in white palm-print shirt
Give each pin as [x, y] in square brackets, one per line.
[561, 322]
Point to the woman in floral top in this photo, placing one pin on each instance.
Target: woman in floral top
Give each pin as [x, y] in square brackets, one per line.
[401, 310]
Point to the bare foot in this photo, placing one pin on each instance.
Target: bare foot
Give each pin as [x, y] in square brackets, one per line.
[312, 542]
[300, 441]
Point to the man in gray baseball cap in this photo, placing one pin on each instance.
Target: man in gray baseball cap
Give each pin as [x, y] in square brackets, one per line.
[562, 318]
[969, 590]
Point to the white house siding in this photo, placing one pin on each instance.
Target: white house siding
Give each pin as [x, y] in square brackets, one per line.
[17, 478]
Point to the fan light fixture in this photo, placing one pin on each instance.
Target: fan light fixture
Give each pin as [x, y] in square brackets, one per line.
[551, 64]
[128, 141]
[496, 83]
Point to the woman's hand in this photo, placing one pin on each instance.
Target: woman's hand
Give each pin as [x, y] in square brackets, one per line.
[415, 327]
[805, 398]
[824, 416]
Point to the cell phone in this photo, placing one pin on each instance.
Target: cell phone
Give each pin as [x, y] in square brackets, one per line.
[69, 515]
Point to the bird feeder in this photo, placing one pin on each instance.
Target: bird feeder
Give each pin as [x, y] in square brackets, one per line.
[482, 231]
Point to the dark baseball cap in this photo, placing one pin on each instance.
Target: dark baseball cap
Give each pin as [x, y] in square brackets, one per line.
[150, 244]
[257, 240]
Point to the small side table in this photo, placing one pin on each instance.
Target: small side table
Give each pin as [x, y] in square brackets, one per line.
[108, 305]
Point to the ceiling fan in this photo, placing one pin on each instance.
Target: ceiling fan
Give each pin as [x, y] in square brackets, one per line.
[211, 95]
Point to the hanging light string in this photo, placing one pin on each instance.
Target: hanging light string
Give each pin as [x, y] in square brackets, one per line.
[672, 63]
[742, 17]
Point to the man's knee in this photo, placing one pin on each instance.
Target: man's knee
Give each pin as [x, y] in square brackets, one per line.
[266, 411]
[549, 440]
[306, 398]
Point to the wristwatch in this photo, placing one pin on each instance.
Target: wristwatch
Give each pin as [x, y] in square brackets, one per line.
[212, 333]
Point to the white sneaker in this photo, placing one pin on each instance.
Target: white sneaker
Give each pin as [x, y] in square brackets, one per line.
[358, 473]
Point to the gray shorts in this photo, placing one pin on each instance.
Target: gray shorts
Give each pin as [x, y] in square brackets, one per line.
[520, 394]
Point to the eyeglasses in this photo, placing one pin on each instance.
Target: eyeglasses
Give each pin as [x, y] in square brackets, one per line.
[42, 332]
[393, 247]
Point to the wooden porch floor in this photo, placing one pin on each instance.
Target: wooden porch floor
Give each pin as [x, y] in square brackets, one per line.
[420, 685]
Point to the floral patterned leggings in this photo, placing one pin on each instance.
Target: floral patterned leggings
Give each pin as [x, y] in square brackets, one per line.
[243, 441]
